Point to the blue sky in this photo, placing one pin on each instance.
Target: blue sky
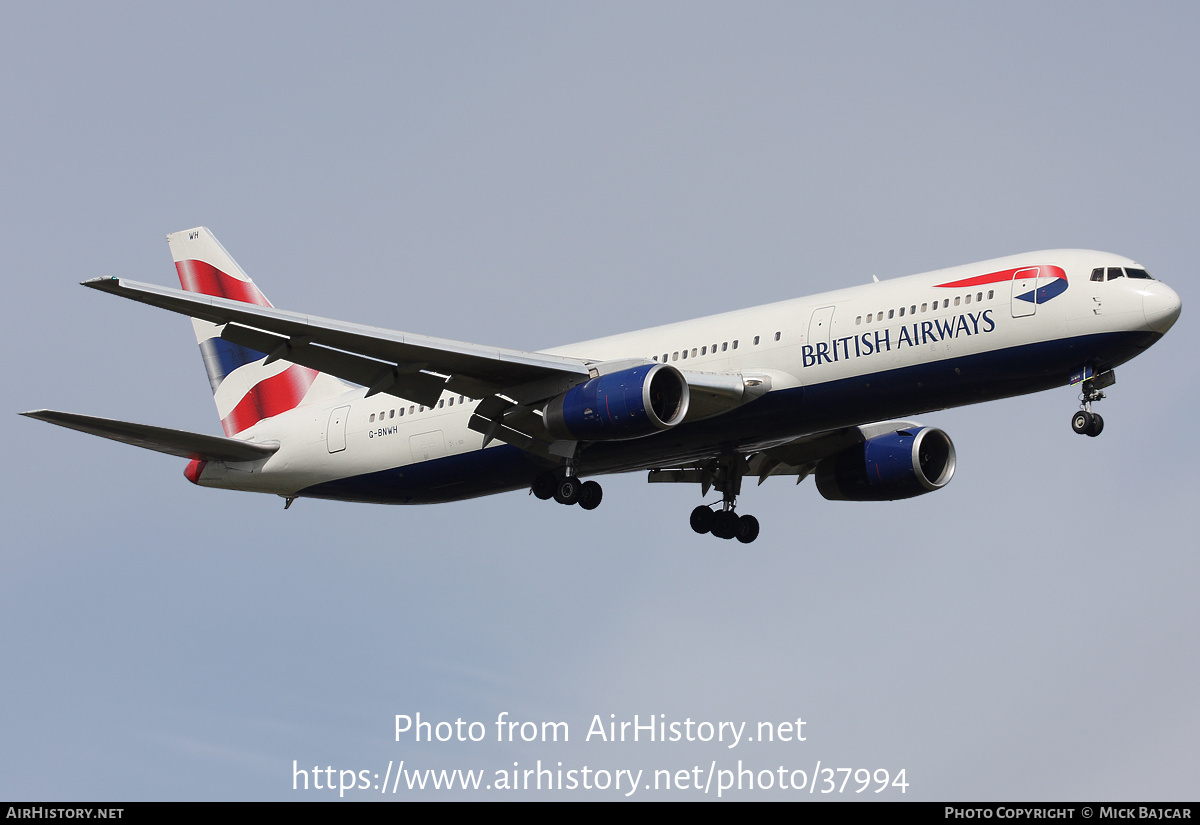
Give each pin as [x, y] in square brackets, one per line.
[525, 175]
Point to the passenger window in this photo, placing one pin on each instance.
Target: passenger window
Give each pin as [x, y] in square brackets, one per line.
[756, 340]
[978, 297]
[991, 294]
[968, 298]
[372, 419]
[777, 335]
[675, 355]
[956, 300]
[693, 352]
[441, 403]
[901, 312]
[735, 343]
[685, 355]
[891, 314]
[391, 413]
[857, 322]
[724, 346]
[924, 307]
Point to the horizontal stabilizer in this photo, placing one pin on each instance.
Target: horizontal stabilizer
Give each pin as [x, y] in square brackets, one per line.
[172, 442]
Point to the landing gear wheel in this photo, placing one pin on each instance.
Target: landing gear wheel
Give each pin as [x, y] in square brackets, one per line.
[1097, 425]
[567, 491]
[544, 486]
[725, 524]
[747, 529]
[590, 493]
[702, 519]
[1081, 422]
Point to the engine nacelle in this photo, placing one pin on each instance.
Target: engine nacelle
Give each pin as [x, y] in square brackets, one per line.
[627, 404]
[892, 466]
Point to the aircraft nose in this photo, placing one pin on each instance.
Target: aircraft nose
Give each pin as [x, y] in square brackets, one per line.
[1161, 306]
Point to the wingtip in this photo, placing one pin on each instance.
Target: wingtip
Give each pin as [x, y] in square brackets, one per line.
[106, 283]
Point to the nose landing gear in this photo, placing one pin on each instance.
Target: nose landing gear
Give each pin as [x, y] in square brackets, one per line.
[1086, 422]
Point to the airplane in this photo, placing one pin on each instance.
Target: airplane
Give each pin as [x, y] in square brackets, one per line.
[821, 386]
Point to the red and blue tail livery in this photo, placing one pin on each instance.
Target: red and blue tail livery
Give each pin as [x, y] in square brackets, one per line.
[246, 388]
[820, 386]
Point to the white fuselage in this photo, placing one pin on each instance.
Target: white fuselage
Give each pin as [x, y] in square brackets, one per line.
[850, 356]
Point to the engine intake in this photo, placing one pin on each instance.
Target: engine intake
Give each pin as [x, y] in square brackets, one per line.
[892, 466]
[628, 404]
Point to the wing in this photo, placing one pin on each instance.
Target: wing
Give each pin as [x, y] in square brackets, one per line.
[172, 442]
[510, 384]
[382, 360]
[798, 457]
[417, 368]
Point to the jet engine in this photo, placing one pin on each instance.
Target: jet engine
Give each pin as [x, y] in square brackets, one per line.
[892, 466]
[628, 404]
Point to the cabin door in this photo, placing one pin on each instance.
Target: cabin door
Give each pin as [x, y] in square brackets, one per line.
[335, 435]
[819, 326]
[1024, 292]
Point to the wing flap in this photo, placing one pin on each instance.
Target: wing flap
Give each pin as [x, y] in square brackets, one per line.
[161, 439]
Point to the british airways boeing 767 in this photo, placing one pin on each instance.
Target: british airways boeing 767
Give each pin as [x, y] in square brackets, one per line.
[813, 386]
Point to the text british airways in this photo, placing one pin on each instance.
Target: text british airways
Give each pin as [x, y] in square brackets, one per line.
[886, 340]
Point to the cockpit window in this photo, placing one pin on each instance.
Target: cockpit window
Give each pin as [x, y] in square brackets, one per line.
[1115, 272]
[1098, 274]
[1138, 273]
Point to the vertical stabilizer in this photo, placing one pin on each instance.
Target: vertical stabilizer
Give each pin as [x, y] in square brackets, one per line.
[246, 389]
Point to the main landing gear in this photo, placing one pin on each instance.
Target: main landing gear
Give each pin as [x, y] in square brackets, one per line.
[1086, 422]
[725, 523]
[568, 489]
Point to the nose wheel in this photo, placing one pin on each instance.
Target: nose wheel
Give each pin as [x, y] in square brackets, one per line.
[1086, 422]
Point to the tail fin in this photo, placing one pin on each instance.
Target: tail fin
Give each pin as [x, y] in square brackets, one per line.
[246, 389]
